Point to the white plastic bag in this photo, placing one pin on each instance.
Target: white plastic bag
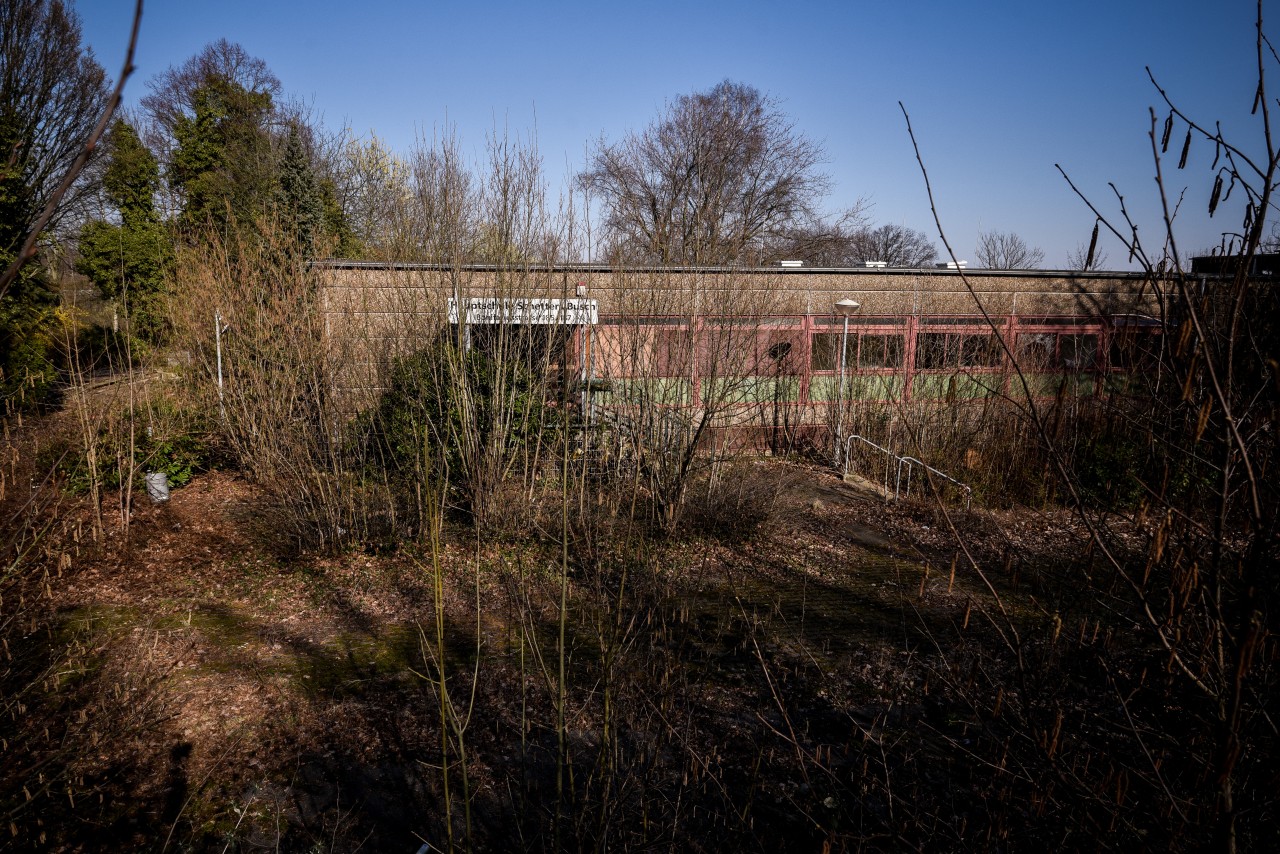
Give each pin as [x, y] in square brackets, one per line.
[157, 486]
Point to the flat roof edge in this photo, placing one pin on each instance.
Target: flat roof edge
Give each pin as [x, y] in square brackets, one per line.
[345, 264]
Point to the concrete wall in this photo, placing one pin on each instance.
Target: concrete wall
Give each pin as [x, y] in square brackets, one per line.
[409, 289]
[381, 311]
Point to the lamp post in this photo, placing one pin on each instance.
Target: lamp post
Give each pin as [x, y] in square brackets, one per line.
[584, 344]
[846, 308]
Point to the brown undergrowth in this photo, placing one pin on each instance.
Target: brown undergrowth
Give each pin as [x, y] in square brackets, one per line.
[837, 680]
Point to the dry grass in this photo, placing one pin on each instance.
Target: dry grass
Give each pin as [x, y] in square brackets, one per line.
[783, 689]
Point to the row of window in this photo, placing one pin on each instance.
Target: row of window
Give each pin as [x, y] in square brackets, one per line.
[943, 350]
[726, 351]
[940, 351]
[862, 351]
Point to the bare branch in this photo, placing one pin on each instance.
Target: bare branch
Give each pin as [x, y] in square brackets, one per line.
[28, 250]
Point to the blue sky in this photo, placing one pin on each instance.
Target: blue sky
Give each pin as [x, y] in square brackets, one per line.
[998, 92]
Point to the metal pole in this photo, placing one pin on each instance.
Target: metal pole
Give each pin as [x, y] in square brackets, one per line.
[591, 374]
[585, 396]
[217, 338]
[844, 341]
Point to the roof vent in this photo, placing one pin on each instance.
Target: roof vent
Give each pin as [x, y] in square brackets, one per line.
[791, 263]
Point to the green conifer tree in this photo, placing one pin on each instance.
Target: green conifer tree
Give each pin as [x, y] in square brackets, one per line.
[343, 240]
[300, 205]
[129, 260]
[224, 168]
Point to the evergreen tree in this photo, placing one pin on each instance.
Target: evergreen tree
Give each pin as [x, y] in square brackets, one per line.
[343, 240]
[223, 168]
[236, 158]
[300, 205]
[128, 260]
[28, 333]
[132, 176]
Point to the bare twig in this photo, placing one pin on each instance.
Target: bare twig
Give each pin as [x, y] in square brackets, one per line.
[28, 250]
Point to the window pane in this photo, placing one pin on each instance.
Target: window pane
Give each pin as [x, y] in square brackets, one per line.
[979, 351]
[1134, 348]
[725, 351]
[936, 350]
[961, 321]
[779, 353]
[1054, 321]
[1036, 350]
[861, 320]
[1078, 352]
[880, 351]
[672, 349]
[826, 351]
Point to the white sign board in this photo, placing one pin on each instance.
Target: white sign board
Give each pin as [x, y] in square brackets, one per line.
[527, 312]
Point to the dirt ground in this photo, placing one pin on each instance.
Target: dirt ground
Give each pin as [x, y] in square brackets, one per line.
[200, 686]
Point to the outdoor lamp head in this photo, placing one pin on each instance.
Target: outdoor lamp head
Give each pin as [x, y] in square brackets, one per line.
[847, 307]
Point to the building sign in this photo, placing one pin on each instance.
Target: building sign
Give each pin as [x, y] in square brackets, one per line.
[527, 312]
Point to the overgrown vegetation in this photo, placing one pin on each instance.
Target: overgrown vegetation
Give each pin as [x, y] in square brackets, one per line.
[435, 589]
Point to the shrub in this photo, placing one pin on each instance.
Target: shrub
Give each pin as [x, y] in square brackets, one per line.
[735, 503]
[175, 444]
[459, 419]
[1109, 470]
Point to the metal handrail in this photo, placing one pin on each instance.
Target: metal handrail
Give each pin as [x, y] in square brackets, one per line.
[910, 463]
[968, 492]
[849, 444]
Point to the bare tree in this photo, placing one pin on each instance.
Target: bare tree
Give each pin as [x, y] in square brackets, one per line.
[371, 186]
[997, 250]
[52, 93]
[1086, 258]
[682, 376]
[444, 203]
[174, 90]
[822, 241]
[513, 207]
[1193, 443]
[712, 178]
[1081, 259]
[896, 245]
